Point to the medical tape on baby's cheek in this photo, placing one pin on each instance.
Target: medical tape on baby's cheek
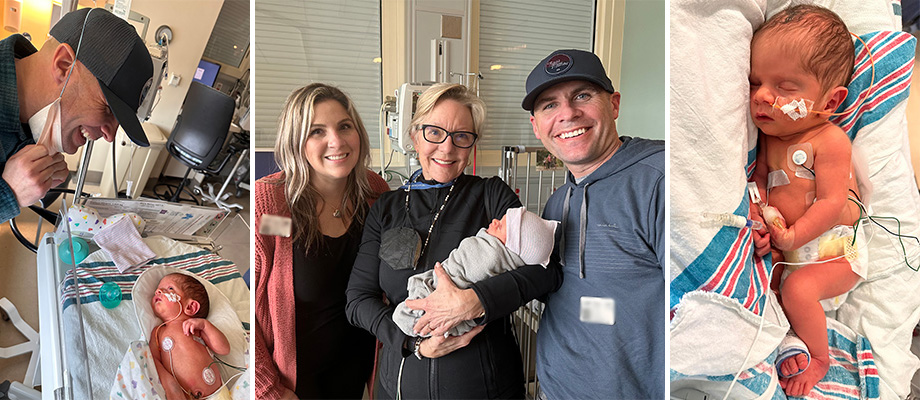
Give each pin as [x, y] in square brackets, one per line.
[777, 178]
[793, 108]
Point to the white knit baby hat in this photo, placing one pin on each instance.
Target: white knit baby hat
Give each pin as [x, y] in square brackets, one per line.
[529, 236]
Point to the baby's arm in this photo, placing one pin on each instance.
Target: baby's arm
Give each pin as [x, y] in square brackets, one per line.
[759, 177]
[213, 337]
[169, 382]
[832, 169]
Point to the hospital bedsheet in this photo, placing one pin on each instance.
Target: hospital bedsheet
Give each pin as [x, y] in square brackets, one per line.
[852, 374]
[109, 331]
[713, 143]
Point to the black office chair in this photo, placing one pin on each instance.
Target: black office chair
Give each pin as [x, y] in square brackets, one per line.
[198, 137]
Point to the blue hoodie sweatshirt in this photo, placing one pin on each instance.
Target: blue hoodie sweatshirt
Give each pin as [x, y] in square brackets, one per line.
[614, 248]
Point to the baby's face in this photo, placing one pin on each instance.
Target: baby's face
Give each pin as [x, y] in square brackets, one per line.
[166, 301]
[776, 72]
[497, 229]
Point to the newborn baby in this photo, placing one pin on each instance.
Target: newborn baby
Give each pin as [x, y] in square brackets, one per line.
[182, 344]
[519, 238]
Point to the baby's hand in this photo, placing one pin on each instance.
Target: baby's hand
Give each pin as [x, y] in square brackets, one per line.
[782, 237]
[191, 325]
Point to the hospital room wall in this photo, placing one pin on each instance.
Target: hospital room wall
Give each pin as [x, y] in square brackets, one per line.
[191, 23]
[609, 43]
[642, 71]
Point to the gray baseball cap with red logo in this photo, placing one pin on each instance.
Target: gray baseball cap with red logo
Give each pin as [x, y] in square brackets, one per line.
[561, 66]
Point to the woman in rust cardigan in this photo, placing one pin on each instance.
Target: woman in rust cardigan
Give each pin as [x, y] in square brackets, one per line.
[309, 218]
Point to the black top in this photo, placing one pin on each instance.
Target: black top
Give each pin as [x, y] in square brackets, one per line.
[333, 357]
[490, 366]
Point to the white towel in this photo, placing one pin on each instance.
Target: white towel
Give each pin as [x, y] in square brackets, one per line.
[123, 244]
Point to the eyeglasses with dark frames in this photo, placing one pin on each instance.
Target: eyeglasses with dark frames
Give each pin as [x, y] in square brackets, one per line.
[436, 134]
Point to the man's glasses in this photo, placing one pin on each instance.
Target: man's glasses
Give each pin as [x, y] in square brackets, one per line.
[436, 134]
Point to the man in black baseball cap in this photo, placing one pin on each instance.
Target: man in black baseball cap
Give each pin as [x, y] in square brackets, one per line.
[85, 81]
[602, 334]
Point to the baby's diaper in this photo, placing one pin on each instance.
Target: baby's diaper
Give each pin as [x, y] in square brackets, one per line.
[836, 242]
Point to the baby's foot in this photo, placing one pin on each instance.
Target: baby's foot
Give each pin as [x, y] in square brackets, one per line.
[793, 365]
[800, 385]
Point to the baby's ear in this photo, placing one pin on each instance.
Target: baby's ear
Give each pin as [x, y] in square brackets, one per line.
[835, 97]
[192, 308]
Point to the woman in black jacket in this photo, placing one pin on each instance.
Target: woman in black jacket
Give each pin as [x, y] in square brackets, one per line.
[408, 231]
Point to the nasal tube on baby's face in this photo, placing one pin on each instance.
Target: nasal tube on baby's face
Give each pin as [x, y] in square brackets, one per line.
[794, 109]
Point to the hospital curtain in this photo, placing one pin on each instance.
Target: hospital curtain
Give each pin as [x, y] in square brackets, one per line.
[514, 35]
[330, 41]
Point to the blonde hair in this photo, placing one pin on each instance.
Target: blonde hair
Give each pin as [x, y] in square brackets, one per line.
[294, 126]
[452, 91]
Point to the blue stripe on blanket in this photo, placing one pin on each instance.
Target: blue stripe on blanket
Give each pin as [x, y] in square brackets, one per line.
[210, 265]
[893, 55]
[852, 374]
[727, 266]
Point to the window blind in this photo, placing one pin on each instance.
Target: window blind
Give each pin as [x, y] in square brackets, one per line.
[516, 35]
[336, 42]
[230, 38]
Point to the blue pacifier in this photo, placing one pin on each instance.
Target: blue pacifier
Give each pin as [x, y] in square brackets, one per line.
[80, 250]
[110, 295]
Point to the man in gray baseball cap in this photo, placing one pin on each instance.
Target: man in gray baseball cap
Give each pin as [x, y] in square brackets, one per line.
[602, 332]
[86, 80]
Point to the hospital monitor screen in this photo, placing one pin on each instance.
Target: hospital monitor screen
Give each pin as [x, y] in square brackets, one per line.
[206, 73]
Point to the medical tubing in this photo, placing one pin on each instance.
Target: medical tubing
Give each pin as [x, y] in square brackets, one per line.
[900, 237]
[750, 350]
[114, 172]
[214, 356]
[381, 127]
[730, 220]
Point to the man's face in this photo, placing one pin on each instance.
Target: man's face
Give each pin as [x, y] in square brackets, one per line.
[85, 114]
[575, 120]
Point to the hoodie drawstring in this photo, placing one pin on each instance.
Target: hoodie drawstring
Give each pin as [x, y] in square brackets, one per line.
[582, 231]
[582, 228]
[565, 214]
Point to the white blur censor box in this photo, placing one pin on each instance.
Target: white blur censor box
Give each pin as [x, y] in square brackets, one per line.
[597, 310]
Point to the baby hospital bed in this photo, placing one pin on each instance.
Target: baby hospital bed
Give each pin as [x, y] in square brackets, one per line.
[83, 343]
[719, 288]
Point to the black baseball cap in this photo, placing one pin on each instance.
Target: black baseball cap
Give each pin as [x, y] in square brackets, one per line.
[561, 66]
[113, 52]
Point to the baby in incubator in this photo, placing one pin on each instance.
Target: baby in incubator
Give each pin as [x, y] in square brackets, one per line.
[801, 62]
[182, 344]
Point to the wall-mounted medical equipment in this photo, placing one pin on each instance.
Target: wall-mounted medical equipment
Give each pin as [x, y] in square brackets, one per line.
[159, 55]
[398, 121]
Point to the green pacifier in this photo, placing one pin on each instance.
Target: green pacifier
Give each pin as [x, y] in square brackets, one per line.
[80, 250]
[110, 295]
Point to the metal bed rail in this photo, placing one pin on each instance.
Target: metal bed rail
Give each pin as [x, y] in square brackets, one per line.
[534, 186]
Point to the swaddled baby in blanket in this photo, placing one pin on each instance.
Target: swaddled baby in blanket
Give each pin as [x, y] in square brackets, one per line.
[801, 62]
[519, 238]
[182, 344]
